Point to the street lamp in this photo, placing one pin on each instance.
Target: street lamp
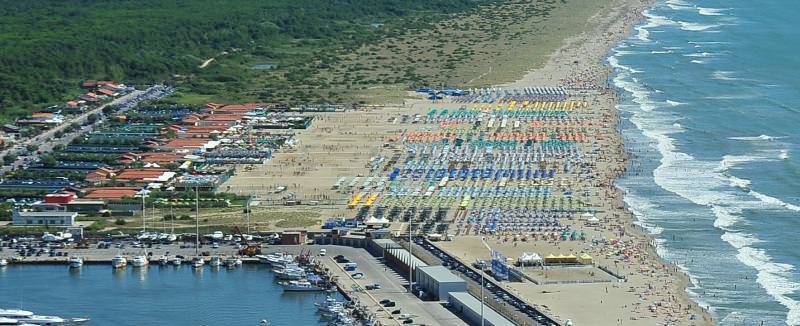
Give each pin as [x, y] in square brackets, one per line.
[410, 257]
[483, 240]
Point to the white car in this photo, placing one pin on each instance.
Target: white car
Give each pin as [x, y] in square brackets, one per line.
[323, 252]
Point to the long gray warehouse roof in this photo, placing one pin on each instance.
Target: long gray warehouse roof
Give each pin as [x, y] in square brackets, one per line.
[441, 274]
[491, 316]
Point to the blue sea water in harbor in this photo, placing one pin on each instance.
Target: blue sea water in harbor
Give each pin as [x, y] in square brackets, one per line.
[710, 101]
[158, 295]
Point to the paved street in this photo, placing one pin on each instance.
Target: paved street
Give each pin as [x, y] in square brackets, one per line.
[46, 145]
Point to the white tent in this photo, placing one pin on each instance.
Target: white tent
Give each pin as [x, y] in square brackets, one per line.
[529, 258]
[373, 221]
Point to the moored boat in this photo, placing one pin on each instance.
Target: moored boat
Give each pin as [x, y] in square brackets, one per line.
[75, 261]
[119, 262]
[140, 261]
[300, 286]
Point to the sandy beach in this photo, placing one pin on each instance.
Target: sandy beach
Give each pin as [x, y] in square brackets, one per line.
[344, 144]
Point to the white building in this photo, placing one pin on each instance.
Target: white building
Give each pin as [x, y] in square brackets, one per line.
[438, 281]
[53, 218]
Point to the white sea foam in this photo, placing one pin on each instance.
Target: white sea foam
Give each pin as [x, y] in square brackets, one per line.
[700, 55]
[678, 3]
[757, 138]
[723, 75]
[675, 103]
[708, 183]
[696, 27]
[775, 278]
[653, 20]
[729, 161]
[730, 97]
[700, 62]
[710, 11]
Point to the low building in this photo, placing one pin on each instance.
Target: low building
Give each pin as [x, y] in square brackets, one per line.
[110, 193]
[438, 282]
[293, 237]
[469, 308]
[29, 218]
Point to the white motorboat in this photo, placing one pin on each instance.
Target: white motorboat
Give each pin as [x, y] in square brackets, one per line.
[177, 261]
[300, 286]
[140, 261]
[75, 261]
[163, 260]
[10, 321]
[59, 236]
[24, 317]
[231, 262]
[198, 262]
[215, 262]
[289, 273]
[3, 262]
[276, 259]
[119, 262]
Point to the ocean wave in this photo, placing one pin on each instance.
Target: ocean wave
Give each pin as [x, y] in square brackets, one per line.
[700, 55]
[729, 161]
[678, 3]
[729, 97]
[769, 200]
[653, 20]
[700, 62]
[708, 183]
[756, 138]
[723, 75]
[696, 27]
[710, 11]
[675, 103]
[614, 63]
[774, 277]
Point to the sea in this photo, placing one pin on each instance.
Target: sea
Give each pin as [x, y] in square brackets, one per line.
[158, 295]
[710, 106]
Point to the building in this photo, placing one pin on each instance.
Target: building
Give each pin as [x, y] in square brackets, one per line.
[469, 308]
[110, 193]
[395, 255]
[438, 282]
[293, 237]
[54, 217]
[59, 198]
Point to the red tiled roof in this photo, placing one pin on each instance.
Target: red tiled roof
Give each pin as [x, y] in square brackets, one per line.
[188, 143]
[161, 157]
[139, 174]
[110, 192]
[106, 91]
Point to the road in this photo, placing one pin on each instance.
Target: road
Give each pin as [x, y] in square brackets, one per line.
[45, 143]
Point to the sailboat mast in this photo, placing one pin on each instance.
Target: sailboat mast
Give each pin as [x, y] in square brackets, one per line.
[144, 213]
[196, 220]
[172, 218]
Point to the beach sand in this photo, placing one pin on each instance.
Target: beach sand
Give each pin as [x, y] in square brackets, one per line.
[342, 144]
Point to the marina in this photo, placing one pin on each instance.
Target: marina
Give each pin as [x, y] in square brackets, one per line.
[315, 277]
